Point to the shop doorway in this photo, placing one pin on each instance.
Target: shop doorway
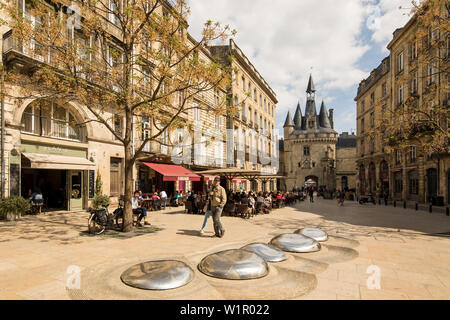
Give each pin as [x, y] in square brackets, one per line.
[75, 179]
[51, 183]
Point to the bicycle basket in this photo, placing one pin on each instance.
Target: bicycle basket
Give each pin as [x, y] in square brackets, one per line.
[101, 217]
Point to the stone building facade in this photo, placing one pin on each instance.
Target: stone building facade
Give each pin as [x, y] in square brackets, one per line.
[310, 145]
[346, 162]
[407, 173]
[46, 148]
[252, 127]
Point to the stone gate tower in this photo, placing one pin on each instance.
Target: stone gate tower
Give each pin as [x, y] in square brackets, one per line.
[310, 145]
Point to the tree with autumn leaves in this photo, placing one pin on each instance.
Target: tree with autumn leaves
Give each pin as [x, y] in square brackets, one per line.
[126, 58]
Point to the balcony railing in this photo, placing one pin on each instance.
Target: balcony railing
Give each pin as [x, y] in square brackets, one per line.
[49, 127]
[13, 46]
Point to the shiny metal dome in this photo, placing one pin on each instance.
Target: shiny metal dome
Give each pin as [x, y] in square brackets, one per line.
[235, 264]
[292, 242]
[158, 275]
[316, 234]
[267, 251]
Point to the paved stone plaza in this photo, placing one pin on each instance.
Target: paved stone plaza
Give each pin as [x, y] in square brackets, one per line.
[410, 249]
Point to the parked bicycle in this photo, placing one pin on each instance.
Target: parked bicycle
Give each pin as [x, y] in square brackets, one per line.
[100, 219]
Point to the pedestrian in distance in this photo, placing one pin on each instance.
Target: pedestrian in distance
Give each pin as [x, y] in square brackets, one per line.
[218, 200]
[163, 196]
[208, 213]
[311, 195]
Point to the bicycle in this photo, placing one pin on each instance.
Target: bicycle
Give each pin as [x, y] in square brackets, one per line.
[100, 219]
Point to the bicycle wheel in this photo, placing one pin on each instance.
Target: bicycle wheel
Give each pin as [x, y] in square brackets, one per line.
[93, 227]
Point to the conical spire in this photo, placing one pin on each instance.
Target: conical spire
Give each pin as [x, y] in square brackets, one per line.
[324, 121]
[288, 122]
[298, 118]
[310, 109]
[311, 88]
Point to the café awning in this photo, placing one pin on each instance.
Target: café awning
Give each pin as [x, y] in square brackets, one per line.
[209, 177]
[51, 161]
[239, 180]
[172, 172]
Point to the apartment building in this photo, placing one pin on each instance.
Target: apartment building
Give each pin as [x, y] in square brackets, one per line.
[252, 125]
[58, 147]
[411, 79]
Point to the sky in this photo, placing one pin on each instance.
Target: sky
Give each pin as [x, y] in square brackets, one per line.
[339, 41]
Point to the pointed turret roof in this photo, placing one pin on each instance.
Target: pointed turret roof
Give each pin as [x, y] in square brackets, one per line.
[298, 118]
[288, 122]
[324, 121]
[310, 107]
[311, 88]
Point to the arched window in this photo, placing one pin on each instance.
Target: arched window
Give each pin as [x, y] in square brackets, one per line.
[49, 119]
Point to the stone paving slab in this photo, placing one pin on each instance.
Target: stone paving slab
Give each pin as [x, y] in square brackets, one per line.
[410, 248]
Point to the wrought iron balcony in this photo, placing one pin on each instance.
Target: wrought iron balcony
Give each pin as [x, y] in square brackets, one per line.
[22, 55]
[49, 127]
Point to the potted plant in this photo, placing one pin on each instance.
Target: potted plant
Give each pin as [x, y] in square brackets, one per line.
[12, 208]
[100, 200]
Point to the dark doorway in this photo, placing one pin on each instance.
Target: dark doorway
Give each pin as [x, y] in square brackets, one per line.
[51, 183]
[432, 183]
[448, 187]
[344, 183]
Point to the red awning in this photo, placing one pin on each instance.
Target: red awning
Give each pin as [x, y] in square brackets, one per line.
[173, 172]
[238, 180]
[209, 177]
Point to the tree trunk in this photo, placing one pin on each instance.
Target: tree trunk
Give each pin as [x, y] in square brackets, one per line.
[128, 194]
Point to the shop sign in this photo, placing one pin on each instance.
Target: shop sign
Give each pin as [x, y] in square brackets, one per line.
[53, 150]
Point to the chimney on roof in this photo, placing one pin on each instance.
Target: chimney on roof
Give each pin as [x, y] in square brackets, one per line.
[330, 116]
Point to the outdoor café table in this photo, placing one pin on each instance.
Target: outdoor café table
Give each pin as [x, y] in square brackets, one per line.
[148, 203]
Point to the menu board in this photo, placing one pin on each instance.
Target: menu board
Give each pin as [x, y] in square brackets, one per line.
[14, 179]
[91, 183]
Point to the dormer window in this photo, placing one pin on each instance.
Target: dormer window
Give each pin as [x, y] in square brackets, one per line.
[311, 124]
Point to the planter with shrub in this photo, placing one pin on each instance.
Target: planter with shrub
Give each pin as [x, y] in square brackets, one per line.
[13, 208]
[100, 201]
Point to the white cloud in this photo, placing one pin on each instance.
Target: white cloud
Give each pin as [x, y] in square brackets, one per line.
[385, 16]
[285, 38]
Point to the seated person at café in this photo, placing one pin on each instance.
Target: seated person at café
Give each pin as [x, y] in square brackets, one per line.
[260, 198]
[177, 196]
[279, 196]
[268, 201]
[35, 197]
[251, 202]
[155, 196]
[139, 209]
[244, 200]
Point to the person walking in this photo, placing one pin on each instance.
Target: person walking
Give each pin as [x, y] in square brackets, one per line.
[341, 198]
[218, 201]
[163, 196]
[311, 195]
[208, 210]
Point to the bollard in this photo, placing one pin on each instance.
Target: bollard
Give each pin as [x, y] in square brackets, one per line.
[379, 202]
[447, 212]
[417, 206]
[395, 204]
[431, 208]
[385, 202]
[404, 204]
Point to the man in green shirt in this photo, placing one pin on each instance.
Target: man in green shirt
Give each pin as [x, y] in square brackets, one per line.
[218, 201]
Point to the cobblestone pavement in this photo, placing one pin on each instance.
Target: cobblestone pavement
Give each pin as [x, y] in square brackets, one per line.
[409, 250]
